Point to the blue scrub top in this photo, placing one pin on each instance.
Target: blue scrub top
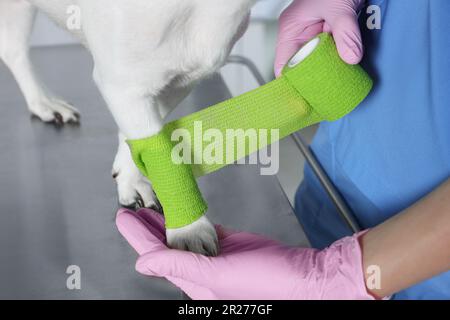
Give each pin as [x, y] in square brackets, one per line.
[395, 147]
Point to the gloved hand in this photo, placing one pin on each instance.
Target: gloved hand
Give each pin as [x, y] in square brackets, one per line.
[249, 266]
[304, 19]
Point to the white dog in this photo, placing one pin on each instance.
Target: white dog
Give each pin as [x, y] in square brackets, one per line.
[148, 54]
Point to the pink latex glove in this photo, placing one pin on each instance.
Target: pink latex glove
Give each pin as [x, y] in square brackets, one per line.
[249, 266]
[304, 19]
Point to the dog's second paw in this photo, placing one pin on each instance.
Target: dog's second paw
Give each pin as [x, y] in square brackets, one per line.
[135, 191]
[198, 237]
[54, 110]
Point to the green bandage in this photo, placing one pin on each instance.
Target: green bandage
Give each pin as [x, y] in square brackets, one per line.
[320, 88]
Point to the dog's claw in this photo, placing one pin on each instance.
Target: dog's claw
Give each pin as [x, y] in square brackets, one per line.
[53, 110]
[58, 120]
[139, 202]
[157, 205]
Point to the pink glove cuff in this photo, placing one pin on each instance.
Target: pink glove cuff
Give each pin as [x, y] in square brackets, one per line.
[341, 269]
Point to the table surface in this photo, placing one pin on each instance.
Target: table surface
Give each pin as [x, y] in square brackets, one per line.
[58, 200]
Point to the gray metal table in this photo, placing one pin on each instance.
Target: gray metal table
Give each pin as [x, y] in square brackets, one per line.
[58, 200]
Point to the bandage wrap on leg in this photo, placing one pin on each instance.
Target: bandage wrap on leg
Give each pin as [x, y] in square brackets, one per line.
[174, 185]
[320, 88]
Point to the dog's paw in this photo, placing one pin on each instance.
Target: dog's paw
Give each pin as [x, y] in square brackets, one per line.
[198, 237]
[135, 191]
[54, 110]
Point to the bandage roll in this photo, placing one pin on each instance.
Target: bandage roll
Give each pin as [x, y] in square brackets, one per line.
[316, 85]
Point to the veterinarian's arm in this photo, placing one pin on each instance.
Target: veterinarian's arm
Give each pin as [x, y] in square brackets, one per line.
[408, 248]
[304, 19]
[412, 246]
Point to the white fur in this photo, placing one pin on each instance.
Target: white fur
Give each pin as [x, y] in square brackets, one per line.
[200, 235]
[147, 56]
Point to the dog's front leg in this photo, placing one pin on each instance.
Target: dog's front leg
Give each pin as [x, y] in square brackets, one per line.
[138, 116]
[135, 60]
[16, 22]
[133, 187]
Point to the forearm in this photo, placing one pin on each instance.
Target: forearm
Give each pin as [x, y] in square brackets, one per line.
[412, 246]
